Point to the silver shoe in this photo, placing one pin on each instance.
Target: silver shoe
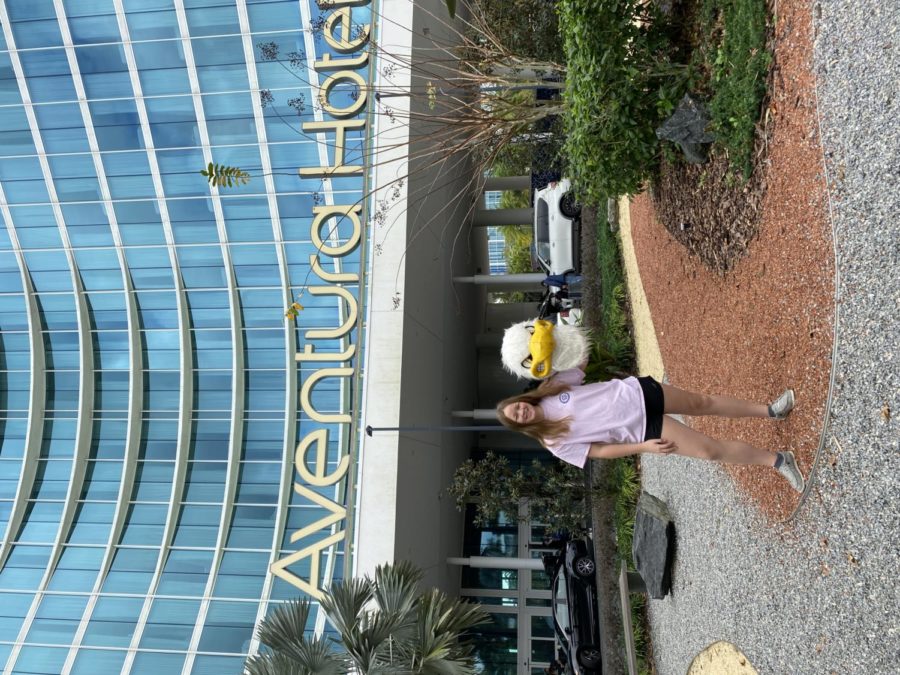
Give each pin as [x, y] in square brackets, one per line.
[782, 406]
[791, 472]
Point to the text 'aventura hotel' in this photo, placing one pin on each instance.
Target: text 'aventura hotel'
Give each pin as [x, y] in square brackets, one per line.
[176, 455]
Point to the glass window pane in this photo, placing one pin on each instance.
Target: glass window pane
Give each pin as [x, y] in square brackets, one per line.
[228, 627]
[95, 661]
[170, 624]
[216, 665]
[41, 660]
[113, 621]
[117, 124]
[152, 25]
[87, 25]
[252, 527]
[241, 574]
[162, 67]
[213, 20]
[157, 662]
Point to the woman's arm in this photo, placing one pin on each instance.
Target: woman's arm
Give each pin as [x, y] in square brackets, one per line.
[658, 446]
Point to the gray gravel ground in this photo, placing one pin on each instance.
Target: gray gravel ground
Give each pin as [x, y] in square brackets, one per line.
[819, 594]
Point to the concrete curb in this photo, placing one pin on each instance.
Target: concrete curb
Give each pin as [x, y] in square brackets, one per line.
[648, 356]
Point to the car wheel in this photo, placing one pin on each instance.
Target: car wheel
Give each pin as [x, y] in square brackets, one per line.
[584, 566]
[569, 206]
[589, 657]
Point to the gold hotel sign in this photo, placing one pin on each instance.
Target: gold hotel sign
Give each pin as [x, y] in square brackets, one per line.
[311, 454]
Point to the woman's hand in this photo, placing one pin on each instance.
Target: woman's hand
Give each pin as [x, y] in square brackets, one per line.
[659, 446]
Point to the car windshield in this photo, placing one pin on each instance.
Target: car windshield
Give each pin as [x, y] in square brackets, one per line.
[561, 603]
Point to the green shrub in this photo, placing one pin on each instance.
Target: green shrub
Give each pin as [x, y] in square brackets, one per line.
[603, 364]
[627, 488]
[537, 149]
[517, 199]
[619, 86]
[556, 492]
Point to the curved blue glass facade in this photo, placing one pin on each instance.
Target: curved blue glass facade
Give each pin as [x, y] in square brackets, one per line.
[150, 394]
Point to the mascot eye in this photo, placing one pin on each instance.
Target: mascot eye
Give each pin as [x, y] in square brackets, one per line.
[527, 363]
[530, 329]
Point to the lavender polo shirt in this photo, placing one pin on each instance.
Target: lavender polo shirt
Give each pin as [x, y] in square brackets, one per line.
[604, 412]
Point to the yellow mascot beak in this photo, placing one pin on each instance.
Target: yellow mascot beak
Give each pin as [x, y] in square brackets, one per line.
[541, 346]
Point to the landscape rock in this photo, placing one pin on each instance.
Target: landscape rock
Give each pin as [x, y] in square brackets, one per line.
[653, 546]
[687, 127]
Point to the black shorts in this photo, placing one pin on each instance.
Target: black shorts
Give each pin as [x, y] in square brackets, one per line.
[654, 404]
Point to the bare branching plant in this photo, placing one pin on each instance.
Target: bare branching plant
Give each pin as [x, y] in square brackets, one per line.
[461, 99]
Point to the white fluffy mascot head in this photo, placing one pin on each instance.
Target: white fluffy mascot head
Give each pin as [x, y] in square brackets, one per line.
[535, 349]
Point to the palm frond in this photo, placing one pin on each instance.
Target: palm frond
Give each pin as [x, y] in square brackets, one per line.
[285, 626]
[449, 615]
[317, 657]
[375, 643]
[447, 667]
[396, 587]
[284, 632]
[345, 602]
[273, 664]
[395, 666]
[385, 626]
[442, 622]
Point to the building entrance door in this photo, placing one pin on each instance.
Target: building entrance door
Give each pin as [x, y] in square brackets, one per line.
[520, 639]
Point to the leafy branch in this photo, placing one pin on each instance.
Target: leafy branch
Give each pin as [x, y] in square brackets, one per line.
[225, 176]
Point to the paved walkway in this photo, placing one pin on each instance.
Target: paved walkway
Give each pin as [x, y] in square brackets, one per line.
[817, 594]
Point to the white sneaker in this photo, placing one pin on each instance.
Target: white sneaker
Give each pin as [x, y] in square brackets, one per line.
[782, 406]
[791, 472]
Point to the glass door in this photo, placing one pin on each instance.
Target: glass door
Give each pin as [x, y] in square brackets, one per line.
[538, 640]
[519, 640]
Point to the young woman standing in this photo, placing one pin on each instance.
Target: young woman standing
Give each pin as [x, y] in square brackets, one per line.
[604, 420]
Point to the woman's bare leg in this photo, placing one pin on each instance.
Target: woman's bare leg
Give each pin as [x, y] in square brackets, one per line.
[683, 402]
[694, 444]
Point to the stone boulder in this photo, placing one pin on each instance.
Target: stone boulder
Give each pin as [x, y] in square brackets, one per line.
[653, 546]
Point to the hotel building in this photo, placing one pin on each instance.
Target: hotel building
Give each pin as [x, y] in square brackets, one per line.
[177, 457]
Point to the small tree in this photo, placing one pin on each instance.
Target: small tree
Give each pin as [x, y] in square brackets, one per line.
[386, 627]
[557, 494]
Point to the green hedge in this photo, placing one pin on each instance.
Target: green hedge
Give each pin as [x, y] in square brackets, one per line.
[620, 85]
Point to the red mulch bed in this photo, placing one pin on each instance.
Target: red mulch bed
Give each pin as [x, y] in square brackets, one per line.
[767, 323]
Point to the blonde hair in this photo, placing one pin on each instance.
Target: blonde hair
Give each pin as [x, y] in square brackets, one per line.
[545, 430]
